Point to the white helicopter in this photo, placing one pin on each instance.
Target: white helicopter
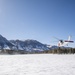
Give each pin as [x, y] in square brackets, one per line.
[64, 42]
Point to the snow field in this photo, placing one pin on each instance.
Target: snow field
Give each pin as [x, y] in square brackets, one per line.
[37, 64]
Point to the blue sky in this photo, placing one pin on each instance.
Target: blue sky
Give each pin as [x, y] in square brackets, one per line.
[37, 19]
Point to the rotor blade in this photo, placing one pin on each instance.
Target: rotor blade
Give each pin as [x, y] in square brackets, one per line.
[53, 41]
[56, 38]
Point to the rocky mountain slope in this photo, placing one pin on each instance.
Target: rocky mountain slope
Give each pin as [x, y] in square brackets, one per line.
[27, 45]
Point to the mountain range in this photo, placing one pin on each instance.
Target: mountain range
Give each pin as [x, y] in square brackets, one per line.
[27, 45]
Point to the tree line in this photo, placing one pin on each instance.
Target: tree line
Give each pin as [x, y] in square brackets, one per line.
[61, 51]
[53, 51]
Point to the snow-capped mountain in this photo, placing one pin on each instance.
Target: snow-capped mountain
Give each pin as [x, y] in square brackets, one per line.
[29, 45]
[53, 47]
[4, 43]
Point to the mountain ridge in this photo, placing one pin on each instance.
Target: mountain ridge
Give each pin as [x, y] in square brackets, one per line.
[27, 45]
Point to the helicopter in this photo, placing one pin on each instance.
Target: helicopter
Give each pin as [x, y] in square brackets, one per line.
[64, 42]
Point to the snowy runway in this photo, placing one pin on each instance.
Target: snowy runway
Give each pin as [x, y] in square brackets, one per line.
[37, 64]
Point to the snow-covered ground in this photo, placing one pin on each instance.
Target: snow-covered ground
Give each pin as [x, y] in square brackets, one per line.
[37, 64]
